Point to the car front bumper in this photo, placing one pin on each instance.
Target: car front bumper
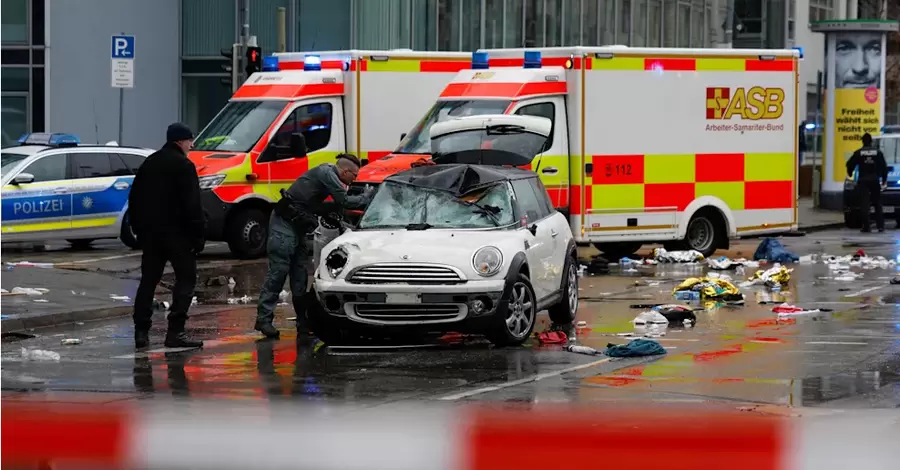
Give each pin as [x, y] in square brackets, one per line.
[404, 304]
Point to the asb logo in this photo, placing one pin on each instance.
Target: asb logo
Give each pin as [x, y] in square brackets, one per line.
[751, 104]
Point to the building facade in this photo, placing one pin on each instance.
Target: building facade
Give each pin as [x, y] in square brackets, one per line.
[56, 73]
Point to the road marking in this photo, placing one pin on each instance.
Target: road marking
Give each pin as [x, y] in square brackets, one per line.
[837, 342]
[533, 378]
[864, 291]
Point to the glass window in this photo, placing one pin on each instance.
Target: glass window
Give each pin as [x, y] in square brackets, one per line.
[321, 26]
[591, 26]
[670, 24]
[398, 205]
[238, 126]
[495, 20]
[684, 25]
[547, 110]
[698, 25]
[624, 22]
[207, 26]
[502, 139]
[203, 98]
[529, 204]
[543, 196]
[117, 166]
[513, 29]
[133, 161]
[419, 139]
[890, 147]
[311, 120]
[424, 23]
[14, 16]
[379, 25]
[639, 25]
[91, 165]
[471, 25]
[654, 23]
[534, 23]
[448, 25]
[8, 160]
[821, 10]
[14, 79]
[14, 120]
[573, 22]
[49, 168]
[608, 23]
[553, 23]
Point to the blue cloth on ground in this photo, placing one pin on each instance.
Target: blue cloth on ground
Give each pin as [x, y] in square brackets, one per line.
[772, 250]
[635, 348]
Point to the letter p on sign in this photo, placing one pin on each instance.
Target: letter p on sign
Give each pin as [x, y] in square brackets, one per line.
[123, 47]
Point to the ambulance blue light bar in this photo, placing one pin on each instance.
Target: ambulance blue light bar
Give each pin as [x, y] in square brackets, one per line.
[270, 63]
[312, 63]
[479, 60]
[532, 59]
[800, 50]
[45, 138]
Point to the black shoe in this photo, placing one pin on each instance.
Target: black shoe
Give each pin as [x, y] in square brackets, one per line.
[181, 340]
[866, 230]
[268, 330]
[141, 339]
[881, 230]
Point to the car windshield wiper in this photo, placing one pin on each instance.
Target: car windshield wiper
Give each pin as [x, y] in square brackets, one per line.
[489, 211]
[423, 226]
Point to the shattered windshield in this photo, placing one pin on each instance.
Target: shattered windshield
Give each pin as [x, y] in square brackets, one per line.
[513, 139]
[419, 139]
[238, 126]
[397, 205]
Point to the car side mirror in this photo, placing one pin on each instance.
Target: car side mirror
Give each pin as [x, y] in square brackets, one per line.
[23, 178]
[298, 145]
[533, 229]
[402, 136]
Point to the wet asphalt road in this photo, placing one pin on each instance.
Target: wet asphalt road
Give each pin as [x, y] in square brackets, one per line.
[733, 356]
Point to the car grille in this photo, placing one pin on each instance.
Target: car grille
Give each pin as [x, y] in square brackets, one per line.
[405, 273]
[400, 313]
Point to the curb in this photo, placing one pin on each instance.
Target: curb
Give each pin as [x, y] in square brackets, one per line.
[821, 227]
[64, 318]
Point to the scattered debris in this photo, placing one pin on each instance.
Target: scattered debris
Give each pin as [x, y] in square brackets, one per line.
[70, 341]
[160, 305]
[776, 276]
[41, 301]
[28, 291]
[552, 337]
[788, 310]
[231, 284]
[217, 281]
[674, 313]
[78, 293]
[283, 296]
[650, 317]
[770, 249]
[17, 335]
[39, 355]
[581, 324]
[243, 300]
[30, 264]
[709, 288]
[598, 265]
[660, 255]
[635, 348]
[123, 298]
[583, 350]
[895, 280]
[194, 300]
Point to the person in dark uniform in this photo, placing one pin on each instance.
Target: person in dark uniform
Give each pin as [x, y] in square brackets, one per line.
[295, 216]
[873, 173]
[165, 213]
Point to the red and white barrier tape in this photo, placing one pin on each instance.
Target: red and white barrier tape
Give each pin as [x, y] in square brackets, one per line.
[223, 436]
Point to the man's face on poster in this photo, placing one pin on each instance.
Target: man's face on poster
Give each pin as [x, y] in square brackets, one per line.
[857, 60]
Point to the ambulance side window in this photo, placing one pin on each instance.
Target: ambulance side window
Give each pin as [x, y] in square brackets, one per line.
[313, 121]
[49, 168]
[545, 110]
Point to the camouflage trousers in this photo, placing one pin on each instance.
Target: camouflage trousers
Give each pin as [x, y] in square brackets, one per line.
[288, 256]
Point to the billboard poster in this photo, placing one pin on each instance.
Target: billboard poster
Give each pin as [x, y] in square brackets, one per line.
[855, 61]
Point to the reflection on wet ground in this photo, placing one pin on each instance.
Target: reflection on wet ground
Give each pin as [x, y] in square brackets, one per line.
[845, 356]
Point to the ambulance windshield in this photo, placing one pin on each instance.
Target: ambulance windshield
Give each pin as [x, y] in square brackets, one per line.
[238, 126]
[419, 139]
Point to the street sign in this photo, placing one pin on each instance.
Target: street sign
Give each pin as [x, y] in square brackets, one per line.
[122, 61]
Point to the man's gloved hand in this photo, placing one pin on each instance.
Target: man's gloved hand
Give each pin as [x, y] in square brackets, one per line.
[199, 245]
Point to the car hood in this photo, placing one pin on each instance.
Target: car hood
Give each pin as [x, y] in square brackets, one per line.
[380, 169]
[211, 163]
[450, 247]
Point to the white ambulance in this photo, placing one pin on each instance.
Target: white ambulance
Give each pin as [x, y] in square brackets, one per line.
[688, 147]
[341, 101]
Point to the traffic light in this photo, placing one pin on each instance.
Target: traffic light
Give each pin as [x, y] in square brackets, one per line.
[232, 66]
[254, 60]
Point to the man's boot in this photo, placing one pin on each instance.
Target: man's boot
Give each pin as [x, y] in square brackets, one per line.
[141, 338]
[177, 338]
[267, 329]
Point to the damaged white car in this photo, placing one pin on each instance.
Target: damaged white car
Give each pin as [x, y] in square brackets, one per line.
[456, 246]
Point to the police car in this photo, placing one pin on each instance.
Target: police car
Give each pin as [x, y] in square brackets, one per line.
[889, 144]
[56, 189]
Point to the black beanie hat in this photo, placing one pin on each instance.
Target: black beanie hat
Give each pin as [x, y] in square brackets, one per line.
[178, 131]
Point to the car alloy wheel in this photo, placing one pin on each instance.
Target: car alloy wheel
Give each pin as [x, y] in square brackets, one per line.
[520, 314]
[572, 288]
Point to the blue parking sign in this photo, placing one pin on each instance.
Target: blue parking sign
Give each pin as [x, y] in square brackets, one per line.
[123, 47]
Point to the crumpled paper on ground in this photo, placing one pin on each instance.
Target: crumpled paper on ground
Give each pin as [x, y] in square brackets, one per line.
[788, 310]
[723, 263]
[688, 256]
[777, 275]
[650, 317]
[711, 288]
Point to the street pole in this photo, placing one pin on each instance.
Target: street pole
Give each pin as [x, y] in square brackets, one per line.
[245, 36]
[817, 161]
[281, 24]
[121, 111]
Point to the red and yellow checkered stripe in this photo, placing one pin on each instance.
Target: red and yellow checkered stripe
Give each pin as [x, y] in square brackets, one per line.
[390, 64]
[652, 183]
[692, 64]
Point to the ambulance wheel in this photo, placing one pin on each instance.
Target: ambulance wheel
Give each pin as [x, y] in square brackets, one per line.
[852, 220]
[81, 244]
[246, 233]
[615, 251]
[705, 232]
[127, 234]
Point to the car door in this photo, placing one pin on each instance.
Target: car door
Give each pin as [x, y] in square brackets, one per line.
[540, 244]
[99, 196]
[560, 235]
[41, 208]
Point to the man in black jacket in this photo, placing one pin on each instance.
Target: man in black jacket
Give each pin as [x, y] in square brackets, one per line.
[873, 173]
[165, 213]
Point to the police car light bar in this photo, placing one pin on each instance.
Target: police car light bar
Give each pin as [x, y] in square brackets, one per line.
[479, 60]
[532, 60]
[44, 138]
[270, 63]
[312, 63]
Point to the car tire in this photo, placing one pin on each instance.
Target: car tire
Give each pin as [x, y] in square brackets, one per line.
[564, 311]
[247, 232]
[852, 220]
[514, 325]
[614, 251]
[81, 244]
[126, 234]
[704, 233]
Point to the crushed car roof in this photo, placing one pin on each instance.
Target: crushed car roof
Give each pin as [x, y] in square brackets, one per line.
[459, 179]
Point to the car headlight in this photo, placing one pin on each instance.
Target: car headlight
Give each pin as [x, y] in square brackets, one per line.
[335, 262]
[211, 181]
[487, 261]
